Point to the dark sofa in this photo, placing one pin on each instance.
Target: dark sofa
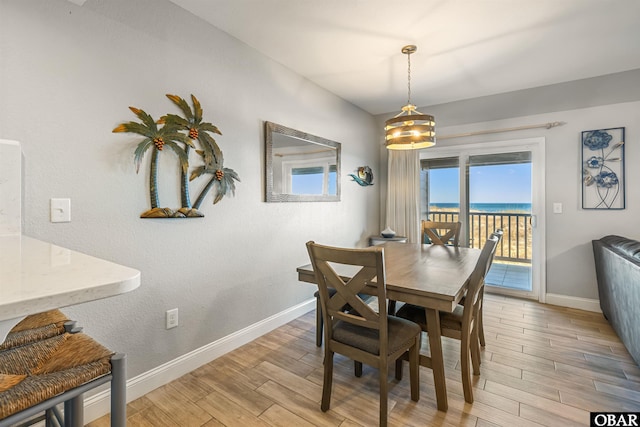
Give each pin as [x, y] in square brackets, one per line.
[618, 272]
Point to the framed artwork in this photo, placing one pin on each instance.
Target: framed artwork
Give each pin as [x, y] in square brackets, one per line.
[603, 169]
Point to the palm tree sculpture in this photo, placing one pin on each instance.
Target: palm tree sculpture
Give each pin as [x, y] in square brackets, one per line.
[211, 154]
[157, 137]
[223, 178]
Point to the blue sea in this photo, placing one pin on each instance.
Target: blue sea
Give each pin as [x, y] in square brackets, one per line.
[486, 207]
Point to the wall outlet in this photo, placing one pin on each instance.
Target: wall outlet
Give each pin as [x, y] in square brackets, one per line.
[171, 318]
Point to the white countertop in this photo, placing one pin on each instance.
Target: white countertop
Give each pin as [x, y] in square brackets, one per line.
[36, 276]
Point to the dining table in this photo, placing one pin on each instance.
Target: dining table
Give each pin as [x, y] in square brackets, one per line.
[432, 276]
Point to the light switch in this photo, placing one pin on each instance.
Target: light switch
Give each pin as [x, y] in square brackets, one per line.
[60, 210]
[557, 208]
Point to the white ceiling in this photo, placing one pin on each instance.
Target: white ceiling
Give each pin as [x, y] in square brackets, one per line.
[466, 48]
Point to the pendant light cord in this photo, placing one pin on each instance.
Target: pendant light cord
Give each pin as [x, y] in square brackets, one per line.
[409, 78]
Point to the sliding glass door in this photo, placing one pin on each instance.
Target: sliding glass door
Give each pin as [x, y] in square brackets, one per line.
[500, 198]
[489, 187]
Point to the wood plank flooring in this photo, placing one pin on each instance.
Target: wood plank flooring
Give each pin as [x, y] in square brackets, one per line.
[543, 365]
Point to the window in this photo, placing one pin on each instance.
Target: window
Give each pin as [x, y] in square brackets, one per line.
[440, 189]
[312, 180]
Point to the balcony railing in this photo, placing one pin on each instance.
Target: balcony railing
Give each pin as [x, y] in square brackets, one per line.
[515, 245]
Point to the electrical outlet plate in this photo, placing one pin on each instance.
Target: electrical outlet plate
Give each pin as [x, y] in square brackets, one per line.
[171, 318]
[60, 210]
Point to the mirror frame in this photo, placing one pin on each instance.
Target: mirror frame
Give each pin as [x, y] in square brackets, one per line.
[273, 128]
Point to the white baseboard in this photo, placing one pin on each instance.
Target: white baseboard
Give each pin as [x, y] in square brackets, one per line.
[99, 404]
[574, 302]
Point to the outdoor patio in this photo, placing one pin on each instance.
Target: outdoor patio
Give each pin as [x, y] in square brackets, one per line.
[510, 276]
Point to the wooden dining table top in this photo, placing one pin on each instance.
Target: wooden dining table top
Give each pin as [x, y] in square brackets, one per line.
[432, 276]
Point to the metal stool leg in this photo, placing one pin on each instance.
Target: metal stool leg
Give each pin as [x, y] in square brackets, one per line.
[48, 418]
[74, 411]
[119, 390]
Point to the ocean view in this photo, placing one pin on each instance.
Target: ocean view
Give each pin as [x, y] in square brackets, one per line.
[513, 218]
[484, 207]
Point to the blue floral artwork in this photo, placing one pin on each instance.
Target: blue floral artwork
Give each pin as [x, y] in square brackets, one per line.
[603, 169]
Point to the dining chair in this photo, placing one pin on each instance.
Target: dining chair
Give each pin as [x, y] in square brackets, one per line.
[436, 233]
[498, 233]
[461, 324]
[320, 322]
[441, 232]
[362, 333]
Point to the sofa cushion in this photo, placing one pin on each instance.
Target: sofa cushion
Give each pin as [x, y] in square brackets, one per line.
[625, 246]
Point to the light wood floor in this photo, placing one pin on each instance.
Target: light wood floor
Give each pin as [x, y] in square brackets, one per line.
[543, 365]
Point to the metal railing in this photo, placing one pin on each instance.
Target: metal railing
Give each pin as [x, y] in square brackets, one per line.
[516, 242]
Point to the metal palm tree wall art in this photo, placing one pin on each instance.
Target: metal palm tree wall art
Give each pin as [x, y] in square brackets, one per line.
[180, 134]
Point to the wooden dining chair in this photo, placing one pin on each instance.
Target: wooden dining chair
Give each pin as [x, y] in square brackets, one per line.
[320, 322]
[498, 233]
[362, 334]
[436, 233]
[462, 323]
[441, 233]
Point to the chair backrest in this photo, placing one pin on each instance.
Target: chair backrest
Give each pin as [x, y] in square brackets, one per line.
[498, 233]
[366, 267]
[441, 233]
[475, 286]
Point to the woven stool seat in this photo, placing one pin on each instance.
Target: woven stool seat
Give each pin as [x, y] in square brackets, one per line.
[34, 328]
[35, 372]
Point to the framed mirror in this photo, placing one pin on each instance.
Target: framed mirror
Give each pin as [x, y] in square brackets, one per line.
[300, 167]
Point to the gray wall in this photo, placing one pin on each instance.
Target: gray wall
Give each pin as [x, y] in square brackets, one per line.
[68, 75]
[570, 270]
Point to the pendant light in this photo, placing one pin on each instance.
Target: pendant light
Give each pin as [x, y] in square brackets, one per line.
[410, 130]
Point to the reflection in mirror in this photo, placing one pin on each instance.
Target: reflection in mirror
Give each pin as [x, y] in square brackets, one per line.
[300, 167]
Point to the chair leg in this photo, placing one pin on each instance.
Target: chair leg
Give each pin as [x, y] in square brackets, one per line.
[481, 328]
[399, 361]
[327, 382]
[391, 310]
[465, 349]
[475, 351]
[357, 368]
[414, 370]
[319, 323]
[74, 411]
[384, 393]
[118, 390]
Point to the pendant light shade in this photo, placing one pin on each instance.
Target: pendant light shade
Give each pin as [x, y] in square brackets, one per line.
[410, 130]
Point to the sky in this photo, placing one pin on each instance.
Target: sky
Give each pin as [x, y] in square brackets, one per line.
[488, 184]
[312, 184]
[509, 183]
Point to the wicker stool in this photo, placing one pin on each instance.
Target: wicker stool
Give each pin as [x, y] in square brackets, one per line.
[37, 376]
[37, 327]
